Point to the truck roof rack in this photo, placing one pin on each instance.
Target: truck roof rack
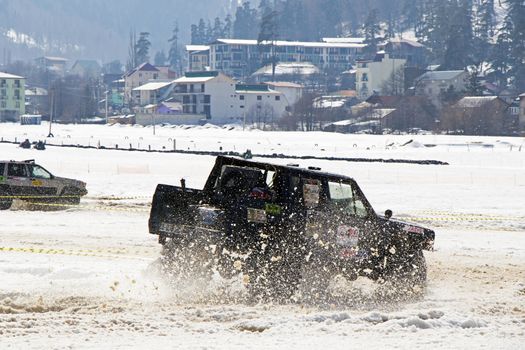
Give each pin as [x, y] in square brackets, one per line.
[29, 161]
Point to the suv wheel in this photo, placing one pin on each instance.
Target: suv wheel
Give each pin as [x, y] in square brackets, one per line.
[5, 203]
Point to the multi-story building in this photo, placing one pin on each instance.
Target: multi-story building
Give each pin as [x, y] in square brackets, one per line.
[372, 75]
[198, 57]
[219, 99]
[139, 76]
[56, 65]
[240, 57]
[12, 97]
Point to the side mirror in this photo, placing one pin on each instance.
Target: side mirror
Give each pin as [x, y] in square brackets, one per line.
[388, 214]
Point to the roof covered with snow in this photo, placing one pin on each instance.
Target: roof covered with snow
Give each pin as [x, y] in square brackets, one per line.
[303, 68]
[157, 85]
[284, 84]
[290, 43]
[475, 101]
[441, 75]
[197, 48]
[9, 76]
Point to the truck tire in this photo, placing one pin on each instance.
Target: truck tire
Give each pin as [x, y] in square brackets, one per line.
[70, 195]
[315, 282]
[411, 276]
[181, 260]
[5, 203]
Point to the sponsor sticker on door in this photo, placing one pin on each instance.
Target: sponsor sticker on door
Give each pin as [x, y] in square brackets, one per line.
[256, 215]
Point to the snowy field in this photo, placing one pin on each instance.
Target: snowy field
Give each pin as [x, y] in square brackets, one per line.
[84, 277]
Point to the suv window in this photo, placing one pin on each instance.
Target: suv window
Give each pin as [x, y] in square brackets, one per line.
[39, 172]
[17, 170]
[343, 199]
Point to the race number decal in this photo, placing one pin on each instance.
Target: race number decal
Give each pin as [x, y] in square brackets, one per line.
[36, 183]
[347, 236]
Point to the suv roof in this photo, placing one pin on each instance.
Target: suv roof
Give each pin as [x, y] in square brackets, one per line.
[28, 161]
[228, 160]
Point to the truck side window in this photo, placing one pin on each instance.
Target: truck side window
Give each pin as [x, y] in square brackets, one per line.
[16, 170]
[342, 199]
[2, 169]
[39, 172]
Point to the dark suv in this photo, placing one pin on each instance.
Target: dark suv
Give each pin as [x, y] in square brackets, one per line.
[282, 226]
[28, 181]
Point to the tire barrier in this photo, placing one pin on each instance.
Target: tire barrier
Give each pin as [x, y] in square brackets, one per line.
[238, 154]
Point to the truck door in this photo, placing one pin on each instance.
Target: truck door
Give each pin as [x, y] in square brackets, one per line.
[18, 179]
[42, 182]
[348, 221]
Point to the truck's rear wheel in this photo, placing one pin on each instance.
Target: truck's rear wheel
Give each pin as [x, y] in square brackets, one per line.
[183, 260]
[6, 203]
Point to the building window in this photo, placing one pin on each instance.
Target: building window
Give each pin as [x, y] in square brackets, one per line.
[3, 104]
[241, 97]
[17, 83]
[3, 83]
[203, 88]
[364, 77]
[242, 106]
[277, 98]
[17, 94]
[17, 104]
[207, 98]
[259, 98]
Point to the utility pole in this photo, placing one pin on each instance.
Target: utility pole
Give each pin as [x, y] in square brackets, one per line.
[106, 106]
[52, 90]
[154, 109]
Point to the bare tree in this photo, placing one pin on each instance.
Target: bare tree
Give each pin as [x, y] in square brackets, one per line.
[395, 84]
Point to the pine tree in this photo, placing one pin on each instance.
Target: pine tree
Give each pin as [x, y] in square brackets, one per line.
[174, 56]
[227, 29]
[371, 30]
[474, 87]
[201, 32]
[217, 29]
[514, 29]
[483, 31]
[142, 48]
[458, 49]
[132, 51]
[245, 24]
[194, 35]
[160, 58]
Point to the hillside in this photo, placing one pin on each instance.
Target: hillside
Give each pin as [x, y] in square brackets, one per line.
[96, 28]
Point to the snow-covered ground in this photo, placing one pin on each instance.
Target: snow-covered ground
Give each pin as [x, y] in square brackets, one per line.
[84, 277]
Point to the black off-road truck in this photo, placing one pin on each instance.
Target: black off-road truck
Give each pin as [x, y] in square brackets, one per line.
[282, 227]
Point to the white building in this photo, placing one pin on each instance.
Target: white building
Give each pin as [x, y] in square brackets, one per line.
[198, 57]
[218, 98]
[372, 75]
[292, 92]
[241, 57]
[434, 84]
[139, 76]
[153, 92]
